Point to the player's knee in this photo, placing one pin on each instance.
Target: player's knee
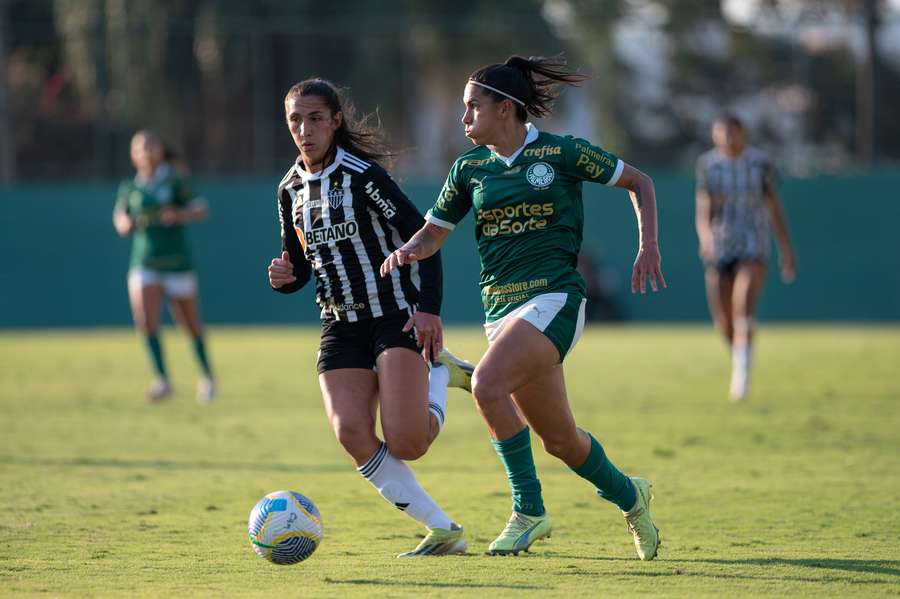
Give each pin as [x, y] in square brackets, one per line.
[353, 435]
[407, 448]
[486, 388]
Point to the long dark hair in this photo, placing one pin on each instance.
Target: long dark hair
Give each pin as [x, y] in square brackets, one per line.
[360, 136]
[533, 81]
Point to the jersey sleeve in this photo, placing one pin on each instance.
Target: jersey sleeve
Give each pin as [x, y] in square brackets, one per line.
[290, 243]
[592, 163]
[122, 197]
[454, 201]
[386, 198]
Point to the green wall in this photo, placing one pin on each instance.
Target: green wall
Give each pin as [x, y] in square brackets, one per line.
[63, 265]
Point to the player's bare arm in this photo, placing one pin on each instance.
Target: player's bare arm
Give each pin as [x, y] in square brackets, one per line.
[122, 222]
[703, 224]
[424, 244]
[779, 225]
[643, 198]
[194, 212]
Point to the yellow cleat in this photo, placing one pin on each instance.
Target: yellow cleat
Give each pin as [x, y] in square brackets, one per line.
[460, 370]
[520, 532]
[637, 519]
[440, 541]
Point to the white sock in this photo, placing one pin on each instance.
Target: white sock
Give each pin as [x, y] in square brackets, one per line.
[397, 483]
[740, 358]
[740, 367]
[438, 379]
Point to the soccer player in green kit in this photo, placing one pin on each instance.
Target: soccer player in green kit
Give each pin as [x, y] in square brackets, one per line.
[524, 187]
[153, 208]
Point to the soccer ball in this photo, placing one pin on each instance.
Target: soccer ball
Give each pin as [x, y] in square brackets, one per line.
[285, 527]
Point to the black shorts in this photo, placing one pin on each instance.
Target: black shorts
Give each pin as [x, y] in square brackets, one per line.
[357, 344]
[728, 268]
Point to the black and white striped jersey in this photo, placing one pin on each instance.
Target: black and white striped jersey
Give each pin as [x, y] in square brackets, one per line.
[341, 223]
[737, 189]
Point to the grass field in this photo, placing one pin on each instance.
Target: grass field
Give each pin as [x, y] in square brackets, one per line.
[794, 493]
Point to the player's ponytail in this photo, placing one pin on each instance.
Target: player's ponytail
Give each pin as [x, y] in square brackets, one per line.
[531, 83]
[362, 137]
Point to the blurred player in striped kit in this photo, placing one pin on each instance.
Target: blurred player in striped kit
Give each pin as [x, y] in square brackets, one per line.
[737, 201]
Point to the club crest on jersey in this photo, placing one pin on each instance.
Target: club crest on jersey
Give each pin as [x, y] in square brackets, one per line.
[335, 197]
[540, 175]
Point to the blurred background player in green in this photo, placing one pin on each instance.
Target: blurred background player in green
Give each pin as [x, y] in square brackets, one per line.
[525, 188]
[737, 200]
[153, 208]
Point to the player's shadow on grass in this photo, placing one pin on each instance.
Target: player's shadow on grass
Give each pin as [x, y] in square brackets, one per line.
[439, 585]
[873, 566]
[166, 464]
[870, 566]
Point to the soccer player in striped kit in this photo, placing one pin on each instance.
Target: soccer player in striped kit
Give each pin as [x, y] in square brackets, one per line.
[736, 200]
[341, 215]
[524, 187]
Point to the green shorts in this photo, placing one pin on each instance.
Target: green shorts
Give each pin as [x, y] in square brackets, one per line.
[559, 316]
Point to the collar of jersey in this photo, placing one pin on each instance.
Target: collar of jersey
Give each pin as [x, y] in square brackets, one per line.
[531, 134]
[162, 171]
[338, 157]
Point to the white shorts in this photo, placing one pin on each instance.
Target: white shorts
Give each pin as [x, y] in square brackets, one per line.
[175, 284]
[559, 316]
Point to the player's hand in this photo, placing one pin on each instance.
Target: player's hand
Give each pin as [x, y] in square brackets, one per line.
[123, 224]
[169, 216]
[788, 268]
[281, 271]
[400, 257]
[647, 266]
[429, 333]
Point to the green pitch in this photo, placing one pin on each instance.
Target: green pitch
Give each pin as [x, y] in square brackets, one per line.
[794, 493]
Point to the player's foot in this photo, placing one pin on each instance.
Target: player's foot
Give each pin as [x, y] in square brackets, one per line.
[646, 535]
[460, 370]
[159, 390]
[740, 386]
[520, 532]
[206, 390]
[440, 541]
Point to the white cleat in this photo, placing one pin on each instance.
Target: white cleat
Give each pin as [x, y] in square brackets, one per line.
[740, 386]
[159, 390]
[206, 390]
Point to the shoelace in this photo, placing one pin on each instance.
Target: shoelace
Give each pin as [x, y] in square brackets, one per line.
[631, 523]
[516, 525]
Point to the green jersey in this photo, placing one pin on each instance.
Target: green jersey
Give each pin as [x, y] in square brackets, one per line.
[156, 246]
[528, 214]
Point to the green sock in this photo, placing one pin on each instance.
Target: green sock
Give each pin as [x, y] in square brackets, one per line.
[515, 453]
[200, 351]
[611, 484]
[156, 354]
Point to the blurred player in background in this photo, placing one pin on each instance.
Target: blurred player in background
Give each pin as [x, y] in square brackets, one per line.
[525, 188]
[736, 201]
[341, 216]
[153, 208]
